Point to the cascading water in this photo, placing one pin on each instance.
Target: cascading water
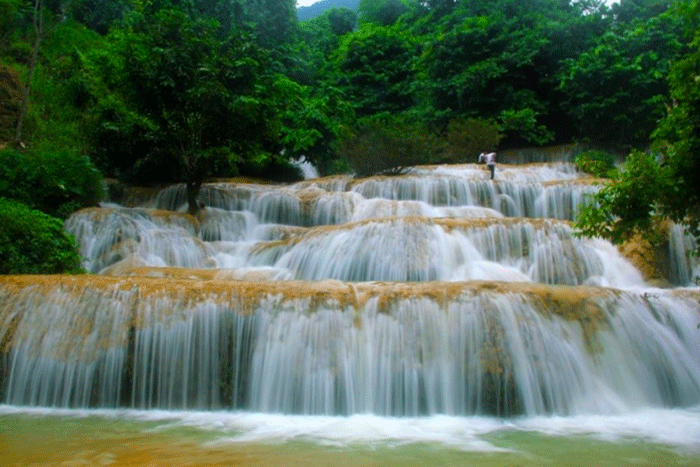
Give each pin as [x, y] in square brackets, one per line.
[436, 293]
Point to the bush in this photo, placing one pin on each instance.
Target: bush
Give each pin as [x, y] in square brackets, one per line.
[467, 138]
[597, 163]
[388, 147]
[628, 204]
[32, 242]
[54, 183]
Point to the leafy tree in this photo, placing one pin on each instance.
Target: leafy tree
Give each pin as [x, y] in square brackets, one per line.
[10, 98]
[56, 183]
[8, 12]
[381, 12]
[98, 15]
[627, 11]
[182, 104]
[341, 20]
[597, 163]
[388, 146]
[626, 205]
[55, 117]
[677, 138]
[319, 38]
[467, 138]
[483, 66]
[40, 31]
[665, 184]
[373, 68]
[273, 22]
[615, 90]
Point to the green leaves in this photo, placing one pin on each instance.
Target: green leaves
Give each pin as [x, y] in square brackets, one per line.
[614, 90]
[627, 205]
[32, 242]
[374, 68]
[388, 146]
[55, 183]
[597, 163]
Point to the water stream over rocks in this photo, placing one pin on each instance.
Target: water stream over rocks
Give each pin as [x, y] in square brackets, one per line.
[438, 293]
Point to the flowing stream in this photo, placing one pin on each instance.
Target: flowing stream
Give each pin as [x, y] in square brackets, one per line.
[433, 318]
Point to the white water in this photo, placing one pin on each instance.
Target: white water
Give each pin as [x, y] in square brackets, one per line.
[363, 323]
[677, 428]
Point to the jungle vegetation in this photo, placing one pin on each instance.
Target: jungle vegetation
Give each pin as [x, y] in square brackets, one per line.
[163, 91]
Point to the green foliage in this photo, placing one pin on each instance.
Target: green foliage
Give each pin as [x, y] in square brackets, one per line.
[381, 12]
[98, 15]
[467, 138]
[54, 183]
[173, 102]
[597, 163]
[10, 98]
[341, 20]
[677, 138]
[319, 39]
[626, 205]
[55, 120]
[8, 10]
[373, 67]
[388, 146]
[175, 90]
[173, 98]
[667, 185]
[312, 125]
[32, 242]
[614, 91]
[523, 126]
[484, 66]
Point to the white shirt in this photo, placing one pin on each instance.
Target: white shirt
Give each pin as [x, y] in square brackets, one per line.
[489, 158]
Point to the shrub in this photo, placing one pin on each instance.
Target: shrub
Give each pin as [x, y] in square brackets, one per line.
[628, 204]
[54, 183]
[388, 147]
[32, 242]
[597, 163]
[467, 138]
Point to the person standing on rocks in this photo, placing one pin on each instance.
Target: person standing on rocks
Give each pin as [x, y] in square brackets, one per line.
[490, 160]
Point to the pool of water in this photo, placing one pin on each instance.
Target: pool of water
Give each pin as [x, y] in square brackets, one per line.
[55, 437]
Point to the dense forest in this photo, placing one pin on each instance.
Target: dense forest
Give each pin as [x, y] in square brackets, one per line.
[165, 91]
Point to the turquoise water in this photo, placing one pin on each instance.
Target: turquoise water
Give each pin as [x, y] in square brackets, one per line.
[43, 437]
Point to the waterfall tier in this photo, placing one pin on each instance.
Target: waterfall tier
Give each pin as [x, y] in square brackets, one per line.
[438, 292]
[537, 190]
[331, 347]
[113, 240]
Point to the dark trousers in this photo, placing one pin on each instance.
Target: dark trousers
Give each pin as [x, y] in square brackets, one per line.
[492, 168]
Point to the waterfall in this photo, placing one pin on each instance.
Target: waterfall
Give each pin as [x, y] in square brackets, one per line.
[435, 292]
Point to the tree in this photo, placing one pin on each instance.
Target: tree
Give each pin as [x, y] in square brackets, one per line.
[374, 68]
[677, 138]
[614, 91]
[388, 146]
[381, 12]
[666, 182]
[483, 67]
[177, 103]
